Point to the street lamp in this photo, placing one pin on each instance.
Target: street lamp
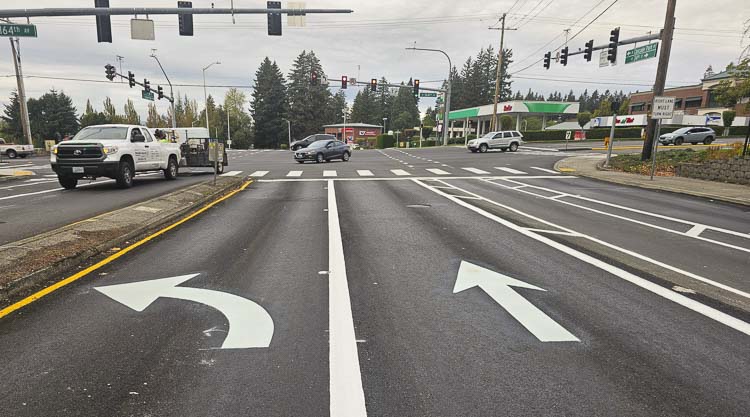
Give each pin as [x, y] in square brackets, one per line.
[385, 119]
[205, 96]
[171, 91]
[289, 131]
[447, 93]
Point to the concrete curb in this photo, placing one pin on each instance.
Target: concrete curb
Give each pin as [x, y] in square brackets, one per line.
[148, 219]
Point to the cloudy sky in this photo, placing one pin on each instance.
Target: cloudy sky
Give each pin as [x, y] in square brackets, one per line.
[370, 43]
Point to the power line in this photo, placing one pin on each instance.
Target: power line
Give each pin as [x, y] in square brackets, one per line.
[41, 77]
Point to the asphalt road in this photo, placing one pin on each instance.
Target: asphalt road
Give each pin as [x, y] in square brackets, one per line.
[514, 292]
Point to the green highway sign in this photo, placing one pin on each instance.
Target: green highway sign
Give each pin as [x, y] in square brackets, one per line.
[427, 94]
[28, 31]
[640, 53]
[147, 95]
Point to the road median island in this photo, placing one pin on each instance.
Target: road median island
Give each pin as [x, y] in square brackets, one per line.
[36, 261]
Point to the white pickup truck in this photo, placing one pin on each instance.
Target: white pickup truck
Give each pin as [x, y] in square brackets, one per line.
[12, 151]
[114, 151]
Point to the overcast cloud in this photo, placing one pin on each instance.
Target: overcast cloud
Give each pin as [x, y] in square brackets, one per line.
[370, 43]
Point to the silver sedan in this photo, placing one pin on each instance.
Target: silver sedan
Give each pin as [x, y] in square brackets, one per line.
[693, 135]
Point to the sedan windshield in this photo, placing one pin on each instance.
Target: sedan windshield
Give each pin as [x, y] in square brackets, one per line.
[102, 133]
[319, 144]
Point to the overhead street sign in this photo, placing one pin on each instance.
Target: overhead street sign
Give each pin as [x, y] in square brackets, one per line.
[662, 108]
[28, 31]
[147, 95]
[640, 53]
[427, 94]
[603, 60]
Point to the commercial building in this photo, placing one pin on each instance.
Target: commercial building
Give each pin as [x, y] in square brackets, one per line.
[354, 131]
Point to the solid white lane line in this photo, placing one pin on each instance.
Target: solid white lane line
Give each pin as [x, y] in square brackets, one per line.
[438, 171]
[27, 184]
[551, 171]
[667, 293]
[329, 173]
[259, 174]
[510, 170]
[399, 172]
[364, 173]
[345, 389]
[231, 174]
[409, 178]
[52, 190]
[475, 171]
[294, 174]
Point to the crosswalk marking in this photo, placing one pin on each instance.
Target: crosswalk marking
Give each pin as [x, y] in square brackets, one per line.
[328, 173]
[364, 173]
[399, 172]
[259, 174]
[231, 174]
[545, 170]
[294, 174]
[510, 170]
[438, 171]
[475, 171]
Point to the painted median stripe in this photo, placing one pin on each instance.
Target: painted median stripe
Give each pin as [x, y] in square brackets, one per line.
[329, 173]
[510, 170]
[259, 174]
[399, 172]
[475, 171]
[364, 173]
[294, 174]
[231, 174]
[437, 171]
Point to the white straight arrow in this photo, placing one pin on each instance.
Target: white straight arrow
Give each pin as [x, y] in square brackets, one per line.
[498, 286]
[250, 325]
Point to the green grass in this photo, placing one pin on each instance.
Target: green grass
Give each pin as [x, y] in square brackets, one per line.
[666, 161]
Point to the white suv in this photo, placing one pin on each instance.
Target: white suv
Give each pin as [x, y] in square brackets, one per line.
[504, 140]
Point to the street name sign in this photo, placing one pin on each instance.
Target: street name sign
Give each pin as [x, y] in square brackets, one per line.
[147, 95]
[427, 94]
[640, 53]
[28, 31]
[662, 108]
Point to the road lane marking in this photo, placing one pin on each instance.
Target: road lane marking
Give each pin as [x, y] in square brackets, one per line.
[475, 171]
[400, 172]
[409, 178]
[667, 293]
[56, 286]
[437, 171]
[364, 173]
[294, 174]
[510, 170]
[329, 173]
[259, 174]
[231, 174]
[696, 230]
[345, 389]
[551, 171]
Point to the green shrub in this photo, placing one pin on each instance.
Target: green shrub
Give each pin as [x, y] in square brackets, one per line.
[471, 136]
[385, 141]
[600, 133]
[284, 146]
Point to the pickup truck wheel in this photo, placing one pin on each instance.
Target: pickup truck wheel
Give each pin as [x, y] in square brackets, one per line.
[513, 147]
[124, 175]
[11, 154]
[172, 169]
[483, 148]
[68, 183]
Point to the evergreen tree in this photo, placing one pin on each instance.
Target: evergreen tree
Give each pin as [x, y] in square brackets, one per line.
[269, 106]
[384, 102]
[405, 107]
[154, 120]
[307, 103]
[131, 115]
[52, 116]
[92, 117]
[365, 108]
[12, 117]
[337, 108]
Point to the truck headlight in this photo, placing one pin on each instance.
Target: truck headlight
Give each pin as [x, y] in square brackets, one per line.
[110, 150]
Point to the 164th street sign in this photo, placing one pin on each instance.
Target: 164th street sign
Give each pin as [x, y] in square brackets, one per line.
[640, 53]
[147, 95]
[28, 31]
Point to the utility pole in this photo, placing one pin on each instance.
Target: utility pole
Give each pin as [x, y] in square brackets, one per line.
[499, 74]
[661, 74]
[229, 131]
[15, 46]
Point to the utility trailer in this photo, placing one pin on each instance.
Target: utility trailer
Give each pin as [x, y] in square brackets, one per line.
[196, 146]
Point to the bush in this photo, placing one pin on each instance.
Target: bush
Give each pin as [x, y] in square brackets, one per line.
[471, 136]
[284, 146]
[620, 133]
[385, 141]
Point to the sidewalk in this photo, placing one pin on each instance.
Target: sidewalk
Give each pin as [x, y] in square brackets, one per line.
[587, 166]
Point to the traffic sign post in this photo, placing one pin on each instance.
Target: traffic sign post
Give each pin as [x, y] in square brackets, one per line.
[21, 31]
[427, 94]
[642, 52]
[662, 108]
[147, 95]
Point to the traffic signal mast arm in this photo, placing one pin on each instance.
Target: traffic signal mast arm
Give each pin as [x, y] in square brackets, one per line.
[421, 88]
[125, 77]
[131, 11]
[620, 43]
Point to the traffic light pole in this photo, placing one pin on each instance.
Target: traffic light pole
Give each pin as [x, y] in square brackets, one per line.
[171, 91]
[447, 91]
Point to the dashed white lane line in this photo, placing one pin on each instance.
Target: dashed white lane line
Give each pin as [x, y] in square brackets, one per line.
[545, 170]
[399, 172]
[294, 174]
[510, 170]
[475, 171]
[364, 173]
[329, 173]
[438, 171]
[259, 174]
[231, 174]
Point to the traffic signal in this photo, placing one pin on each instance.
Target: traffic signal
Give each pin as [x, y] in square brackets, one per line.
[344, 81]
[185, 20]
[547, 59]
[274, 19]
[564, 56]
[160, 92]
[314, 78]
[110, 71]
[374, 84]
[416, 88]
[103, 23]
[589, 50]
[146, 85]
[614, 39]
[131, 79]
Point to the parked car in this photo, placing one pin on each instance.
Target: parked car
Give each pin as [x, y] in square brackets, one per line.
[12, 151]
[692, 135]
[503, 140]
[323, 150]
[114, 151]
[304, 143]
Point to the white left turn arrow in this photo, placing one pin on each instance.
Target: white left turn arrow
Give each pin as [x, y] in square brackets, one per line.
[498, 286]
[250, 325]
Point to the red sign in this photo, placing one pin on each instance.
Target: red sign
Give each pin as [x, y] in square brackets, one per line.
[626, 120]
[508, 107]
[368, 133]
[349, 130]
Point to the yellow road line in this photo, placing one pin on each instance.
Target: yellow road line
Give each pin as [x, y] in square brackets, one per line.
[41, 293]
